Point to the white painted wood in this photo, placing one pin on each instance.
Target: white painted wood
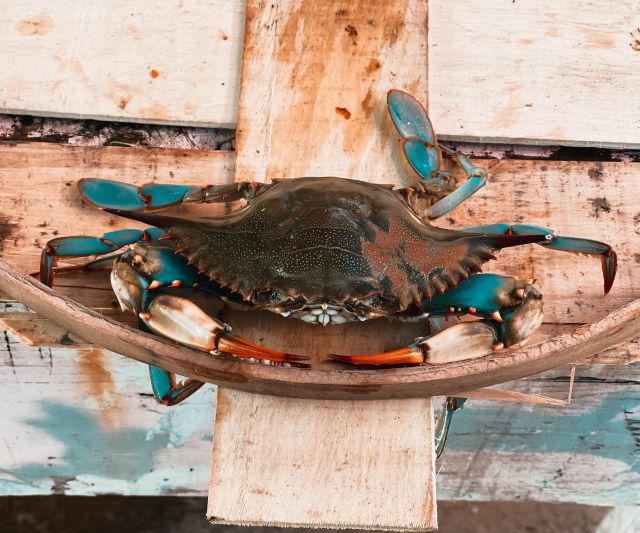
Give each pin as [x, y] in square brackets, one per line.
[621, 519]
[97, 59]
[549, 72]
[535, 69]
[87, 425]
[305, 463]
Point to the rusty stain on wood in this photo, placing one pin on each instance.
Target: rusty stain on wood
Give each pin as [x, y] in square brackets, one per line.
[296, 115]
[100, 386]
[36, 26]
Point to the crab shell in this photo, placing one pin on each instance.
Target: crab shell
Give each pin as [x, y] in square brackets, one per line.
[330, 250]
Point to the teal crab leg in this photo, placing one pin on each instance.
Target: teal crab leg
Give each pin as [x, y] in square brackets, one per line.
[576, 245]
[80, 246]
[510, 309]
[443, 422]
[155, 196]
[167, 390]
[421, 149]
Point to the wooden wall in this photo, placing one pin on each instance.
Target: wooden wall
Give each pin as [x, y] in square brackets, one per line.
[79, 420]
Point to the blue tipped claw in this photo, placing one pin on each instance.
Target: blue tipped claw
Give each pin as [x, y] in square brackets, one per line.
[576, 245]
[82, 246]
[167, 390]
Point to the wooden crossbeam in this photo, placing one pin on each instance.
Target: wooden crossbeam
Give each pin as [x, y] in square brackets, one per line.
[313, 87]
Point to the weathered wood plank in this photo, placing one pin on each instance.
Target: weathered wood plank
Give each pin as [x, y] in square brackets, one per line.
[525, 95]
[92, 428]
[174, 62]
[84, 423]
[314, 78]
[314, 86]
[584, 452]
[548, 72]
[316, 474]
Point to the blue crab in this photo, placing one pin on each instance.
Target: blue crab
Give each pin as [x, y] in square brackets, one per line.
[322, 250]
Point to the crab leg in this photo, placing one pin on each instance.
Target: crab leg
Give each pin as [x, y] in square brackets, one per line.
[167, 390]
[511, 308]
[155, 196]
[443, 422]
[576, 245]
[183, 321]
[421, 149]
[80, 246]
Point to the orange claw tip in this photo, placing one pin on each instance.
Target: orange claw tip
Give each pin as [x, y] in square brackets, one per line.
[408, 355]
[242, 348]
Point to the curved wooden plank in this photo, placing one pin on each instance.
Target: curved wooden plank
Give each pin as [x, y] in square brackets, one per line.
[424, 381]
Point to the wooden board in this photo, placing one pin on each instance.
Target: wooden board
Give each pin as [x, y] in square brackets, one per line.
[536, 69]
[86, 425]
[305, 105]
[174, 62]
[544, 72]
[314, 86]
[326, 463]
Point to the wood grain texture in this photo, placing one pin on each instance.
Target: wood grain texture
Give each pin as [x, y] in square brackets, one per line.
[314, 83]
[175, 62]
[548, 72]
[326, 463]
[92, 428]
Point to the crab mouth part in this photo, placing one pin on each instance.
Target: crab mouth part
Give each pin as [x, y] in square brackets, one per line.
[324, 314]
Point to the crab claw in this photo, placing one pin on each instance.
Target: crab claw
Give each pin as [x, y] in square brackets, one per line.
[183, 321]
[240, 347]
[466, 340]
[412, 354]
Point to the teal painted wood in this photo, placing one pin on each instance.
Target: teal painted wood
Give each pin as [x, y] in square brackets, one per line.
[85, 425]
[588, 452]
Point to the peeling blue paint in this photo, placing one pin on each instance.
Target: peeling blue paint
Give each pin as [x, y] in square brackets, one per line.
[122, 460]
[608, 429]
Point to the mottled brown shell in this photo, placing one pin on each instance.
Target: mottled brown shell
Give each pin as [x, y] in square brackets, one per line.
[329, 239]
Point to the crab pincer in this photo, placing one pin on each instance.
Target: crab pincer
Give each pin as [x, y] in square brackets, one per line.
[183, 321]
[456, 343]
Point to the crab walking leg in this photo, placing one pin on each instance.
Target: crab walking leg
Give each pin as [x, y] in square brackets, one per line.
[155, 196]
[81, 246]
[476, 179]
[450, 405]
[183, 321]
[511, 308]
[169, 392]
[577, 245]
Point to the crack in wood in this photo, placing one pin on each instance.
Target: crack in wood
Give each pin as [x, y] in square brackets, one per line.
[9, 351]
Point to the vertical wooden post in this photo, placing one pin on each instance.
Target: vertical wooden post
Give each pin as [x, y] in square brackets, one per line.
[312, 102]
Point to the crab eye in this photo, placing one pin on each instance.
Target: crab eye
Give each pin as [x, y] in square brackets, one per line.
[275, 296]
